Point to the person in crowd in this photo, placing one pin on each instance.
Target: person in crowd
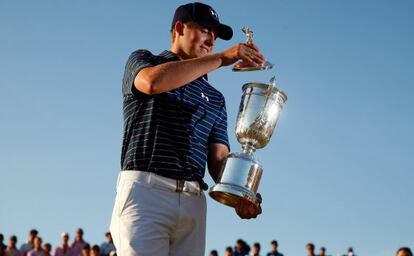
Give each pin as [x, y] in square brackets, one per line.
[47, 248]
[241, 248]
[86, 250]
[255, 250]
[350, 252]
[228, 251]
[108, 246]
[310, 249]
[96, 251]
[79, 243]
[273, 249]
[64, 249]
[11, 249]
[37, 249]
[404, 251]
[322, 251]
[213, 253]
[2, 245]
[29, 245]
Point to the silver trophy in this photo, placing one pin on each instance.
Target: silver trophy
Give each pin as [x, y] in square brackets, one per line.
[249, 40]
[259, 111]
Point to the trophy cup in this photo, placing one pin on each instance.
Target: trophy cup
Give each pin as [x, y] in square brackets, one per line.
[259, 111]
[249, 40]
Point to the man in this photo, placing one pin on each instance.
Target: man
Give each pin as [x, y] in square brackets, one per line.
[38, 249]
[228, 251]
[64, 249]
[255, 250]
[79, 243]
[108, 246]
[213, 253]
[404, 251]
[11, 249]
[3, 246]
[310, 249]
[174, 123]
[322, 251]
[24, 248]
[273, 249]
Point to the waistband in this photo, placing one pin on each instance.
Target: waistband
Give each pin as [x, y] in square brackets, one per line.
[179, 186]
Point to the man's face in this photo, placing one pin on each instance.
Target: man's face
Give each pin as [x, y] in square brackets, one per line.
[256, 249]
[309, 250]
[37, 243]
[65, 239]
[403, 253]
[198, 41]
[273, 247]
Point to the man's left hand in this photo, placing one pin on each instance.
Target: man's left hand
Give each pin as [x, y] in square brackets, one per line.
[248, 210]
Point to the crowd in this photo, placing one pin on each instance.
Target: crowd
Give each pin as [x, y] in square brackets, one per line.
[34, 246]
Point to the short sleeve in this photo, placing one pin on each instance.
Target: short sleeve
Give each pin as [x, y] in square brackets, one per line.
[136, 62]
[218, 133]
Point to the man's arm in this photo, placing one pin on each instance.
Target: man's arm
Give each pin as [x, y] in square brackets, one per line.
[171, 75]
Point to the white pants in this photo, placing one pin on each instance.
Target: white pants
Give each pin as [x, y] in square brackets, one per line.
[151, 219]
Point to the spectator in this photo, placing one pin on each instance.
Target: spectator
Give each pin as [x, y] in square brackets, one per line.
[108, 246]
[47, 248]
[213, 253]
[79, 243]
[351, 252]
[64, 249]
[404, 251]
[37, 250]
[256, 250]
[273, 249]
[228, 251]
[2, 245]
[96, 251]
[86, 250]
[322, 251]
[11, 249]
[241, 248]
[29, 244]
[310, 249]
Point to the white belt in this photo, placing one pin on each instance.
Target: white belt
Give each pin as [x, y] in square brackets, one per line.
[190, 187]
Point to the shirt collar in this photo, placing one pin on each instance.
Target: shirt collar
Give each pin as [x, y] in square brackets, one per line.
[169, 55]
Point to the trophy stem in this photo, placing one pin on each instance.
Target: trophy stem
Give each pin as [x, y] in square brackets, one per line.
[248, 148]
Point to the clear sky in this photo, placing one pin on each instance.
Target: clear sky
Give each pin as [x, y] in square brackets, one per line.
[338, 171]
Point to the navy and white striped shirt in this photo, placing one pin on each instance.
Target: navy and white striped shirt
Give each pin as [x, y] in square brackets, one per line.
[169, 133]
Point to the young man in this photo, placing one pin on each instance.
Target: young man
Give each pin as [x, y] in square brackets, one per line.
[175, 122]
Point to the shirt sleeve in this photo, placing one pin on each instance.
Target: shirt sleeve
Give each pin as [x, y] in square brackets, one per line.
[218, 133]
[136, 62]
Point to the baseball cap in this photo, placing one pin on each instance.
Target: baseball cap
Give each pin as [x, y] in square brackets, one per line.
[205, 16]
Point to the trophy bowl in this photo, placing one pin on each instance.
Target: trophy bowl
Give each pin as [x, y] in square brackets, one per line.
[259, 111]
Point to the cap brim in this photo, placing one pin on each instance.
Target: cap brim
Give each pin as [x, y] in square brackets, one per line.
[224, 32]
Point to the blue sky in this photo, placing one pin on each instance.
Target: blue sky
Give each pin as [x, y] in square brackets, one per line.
[338, 171]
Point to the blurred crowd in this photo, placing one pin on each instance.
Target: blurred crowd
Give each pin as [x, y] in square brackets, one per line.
[34, 246]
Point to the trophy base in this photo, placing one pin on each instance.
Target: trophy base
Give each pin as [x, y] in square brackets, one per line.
[231, 195]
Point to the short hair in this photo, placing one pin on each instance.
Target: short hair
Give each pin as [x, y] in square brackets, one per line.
[274, 242]
[107, 234]
[406, 250]
[323, 249]
[13, 238]
[96, 248]
[310, 245]
[1, 236]
[214, 252]
[86, 247]
[34, 232]
[229, 249]
[48, 245]
[257, 245]
[80, 231]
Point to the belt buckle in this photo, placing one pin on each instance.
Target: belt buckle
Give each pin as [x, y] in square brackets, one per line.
[180, 186]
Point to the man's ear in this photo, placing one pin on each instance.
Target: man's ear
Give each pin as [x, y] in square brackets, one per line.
[179, 27]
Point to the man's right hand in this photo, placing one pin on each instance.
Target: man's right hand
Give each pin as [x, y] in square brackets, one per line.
[249, 55]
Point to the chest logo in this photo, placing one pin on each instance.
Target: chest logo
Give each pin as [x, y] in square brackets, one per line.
[204, 96]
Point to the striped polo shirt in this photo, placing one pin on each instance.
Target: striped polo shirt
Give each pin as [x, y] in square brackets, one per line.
[169, 133]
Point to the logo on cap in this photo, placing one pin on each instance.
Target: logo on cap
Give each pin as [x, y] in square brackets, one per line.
[214, 14]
